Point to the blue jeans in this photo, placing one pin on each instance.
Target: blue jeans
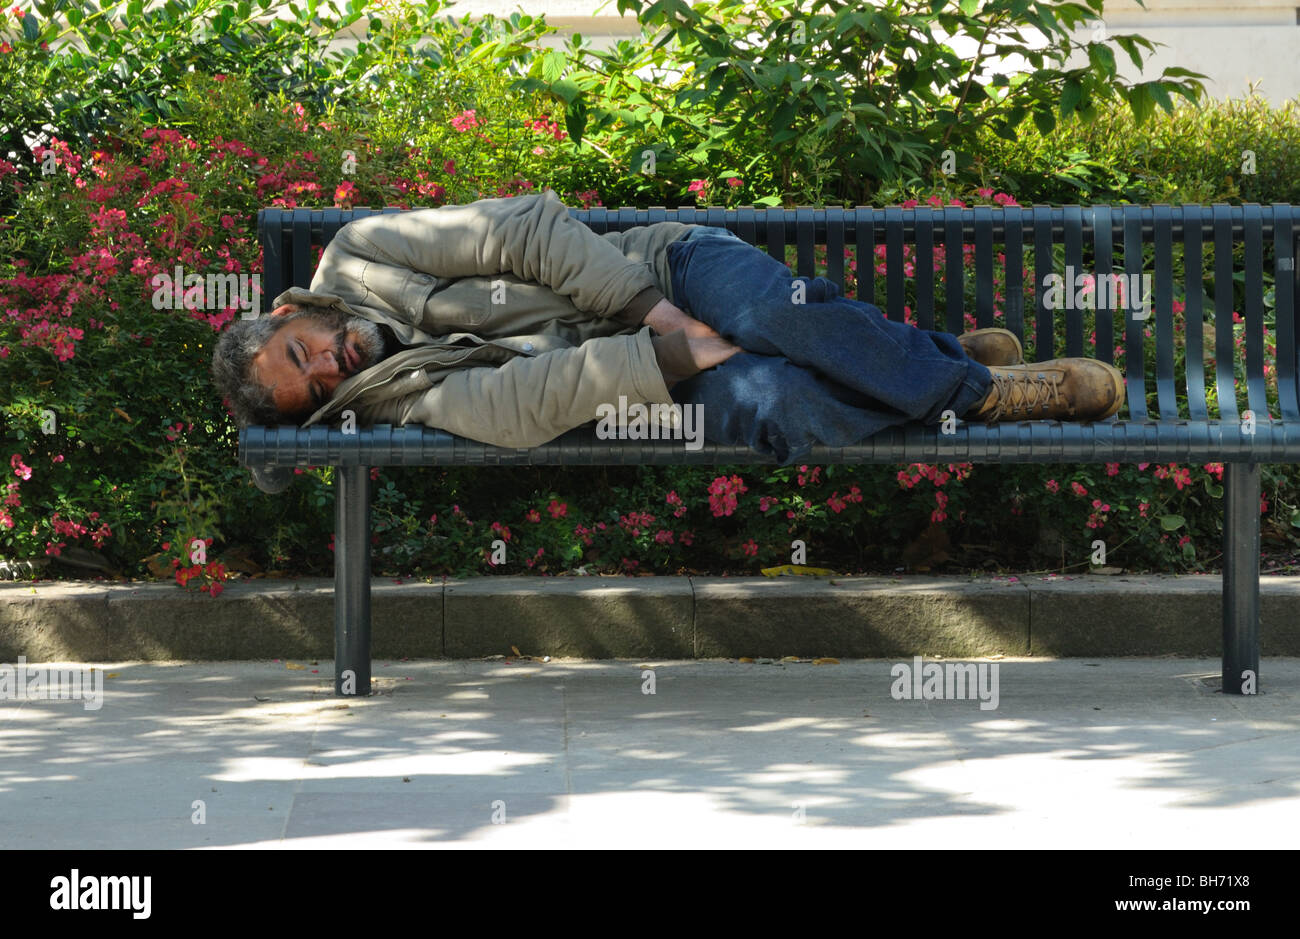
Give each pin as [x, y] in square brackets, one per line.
[829, 370]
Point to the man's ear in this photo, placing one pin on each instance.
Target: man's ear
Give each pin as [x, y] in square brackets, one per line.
[284, 309]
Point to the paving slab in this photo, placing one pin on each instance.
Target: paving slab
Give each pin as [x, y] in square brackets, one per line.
[1081, 753]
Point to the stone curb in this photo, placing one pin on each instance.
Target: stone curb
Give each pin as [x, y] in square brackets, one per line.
[645, 617]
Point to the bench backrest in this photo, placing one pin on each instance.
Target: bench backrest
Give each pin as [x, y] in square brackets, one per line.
[1217, 257]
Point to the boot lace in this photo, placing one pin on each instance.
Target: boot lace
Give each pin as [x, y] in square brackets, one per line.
[1023, 392]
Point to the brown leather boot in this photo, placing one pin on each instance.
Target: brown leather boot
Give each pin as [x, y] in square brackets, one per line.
[1059, 389]
[992, 346]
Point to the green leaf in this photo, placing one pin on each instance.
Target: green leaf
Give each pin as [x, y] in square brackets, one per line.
[1172, 522]
[969, 6]
[566, 90]
[552, 65]
[30, 29]
[1071, 94]
[1139, 103]
[575, 120]
[1160, 95]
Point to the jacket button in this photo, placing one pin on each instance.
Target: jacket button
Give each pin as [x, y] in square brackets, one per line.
[528, 347]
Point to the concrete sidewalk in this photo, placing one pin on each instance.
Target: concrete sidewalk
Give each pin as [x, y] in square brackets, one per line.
[1080, 753]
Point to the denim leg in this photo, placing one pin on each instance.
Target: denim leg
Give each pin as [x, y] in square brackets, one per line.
[905, 373]
[771, 405]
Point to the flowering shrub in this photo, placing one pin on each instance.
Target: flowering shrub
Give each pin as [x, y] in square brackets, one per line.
[112, 443]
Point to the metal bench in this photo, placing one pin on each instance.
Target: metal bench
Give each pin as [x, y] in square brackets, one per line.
[1242, 240]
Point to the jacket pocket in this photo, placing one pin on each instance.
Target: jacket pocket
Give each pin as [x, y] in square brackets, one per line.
[458, 305]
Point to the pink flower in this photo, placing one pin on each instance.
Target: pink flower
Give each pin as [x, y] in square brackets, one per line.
[750, 548]
[1112, 469]
[734, 182]
[558, 509]
[1053, 486]
[21, 470]
[1078, 488]
[465, 121]
[723, 493]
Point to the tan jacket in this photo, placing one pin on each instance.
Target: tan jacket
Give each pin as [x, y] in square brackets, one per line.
[521, 321]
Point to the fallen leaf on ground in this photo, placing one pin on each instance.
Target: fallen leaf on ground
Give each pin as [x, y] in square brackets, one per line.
[746, 659]
[826, 661]
[296, 668]
[797, 570]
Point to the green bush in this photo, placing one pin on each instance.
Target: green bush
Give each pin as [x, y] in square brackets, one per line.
[828, 103]
[140, 468]
[1241, 150]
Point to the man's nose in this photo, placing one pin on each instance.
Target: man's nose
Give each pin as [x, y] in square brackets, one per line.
[325, 366]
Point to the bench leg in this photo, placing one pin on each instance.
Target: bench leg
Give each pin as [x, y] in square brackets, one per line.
[352, 580]
[1241, 578]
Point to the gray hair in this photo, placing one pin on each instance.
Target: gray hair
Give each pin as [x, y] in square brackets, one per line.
[232, 363]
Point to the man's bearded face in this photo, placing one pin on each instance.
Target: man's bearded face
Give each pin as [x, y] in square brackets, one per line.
[311, 355]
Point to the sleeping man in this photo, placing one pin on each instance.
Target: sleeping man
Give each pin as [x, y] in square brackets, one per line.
[508, 321]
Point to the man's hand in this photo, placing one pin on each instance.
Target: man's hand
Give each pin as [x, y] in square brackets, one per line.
[708, 351]
[665, 318]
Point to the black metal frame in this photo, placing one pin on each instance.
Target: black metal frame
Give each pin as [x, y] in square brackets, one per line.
[288, 235]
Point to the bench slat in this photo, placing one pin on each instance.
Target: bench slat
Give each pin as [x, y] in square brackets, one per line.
[1287, 283]
[924, 270]
[1253, 312]
[984, 289]
[1072, 216]
[1025, 442]
[954, 270]
[895, 283]
[1160, 312]
[1134, 362]
[1044, 319]
[1194, 313]
[1224, 348]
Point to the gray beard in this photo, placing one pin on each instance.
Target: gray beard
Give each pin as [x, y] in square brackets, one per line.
[368, 335]
[371, 340]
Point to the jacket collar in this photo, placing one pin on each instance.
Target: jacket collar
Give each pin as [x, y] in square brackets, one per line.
[304, 297]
